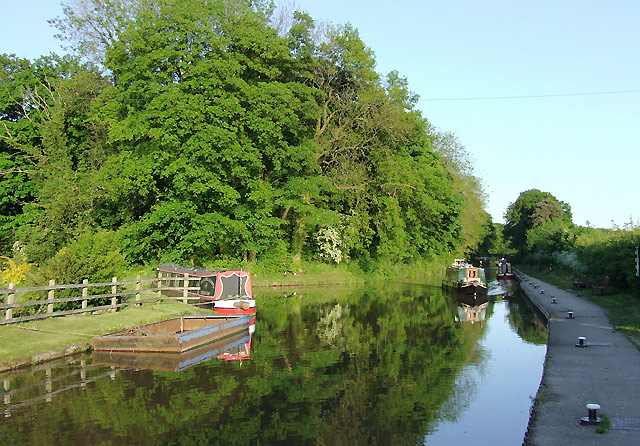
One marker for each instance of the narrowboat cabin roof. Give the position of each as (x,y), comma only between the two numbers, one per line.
(177,269)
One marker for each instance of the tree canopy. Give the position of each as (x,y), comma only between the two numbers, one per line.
(195,131)
(530,218)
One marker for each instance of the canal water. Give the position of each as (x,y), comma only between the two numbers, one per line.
(392,364)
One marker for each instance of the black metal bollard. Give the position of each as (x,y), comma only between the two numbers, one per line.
(593,415)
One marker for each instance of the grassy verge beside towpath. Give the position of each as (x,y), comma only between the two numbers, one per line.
(23,343)
(622,307)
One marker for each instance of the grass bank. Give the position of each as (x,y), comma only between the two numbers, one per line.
(314,273)
(22,342)
(622,307)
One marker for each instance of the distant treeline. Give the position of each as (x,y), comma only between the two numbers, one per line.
(224,130)
(539,228)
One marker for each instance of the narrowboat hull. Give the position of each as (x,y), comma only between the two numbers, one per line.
(468,289)
(235,306)
(175,335)
(462,277)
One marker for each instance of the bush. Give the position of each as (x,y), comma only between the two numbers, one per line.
(94,256)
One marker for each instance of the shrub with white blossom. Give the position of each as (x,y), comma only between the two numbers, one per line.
(330,244)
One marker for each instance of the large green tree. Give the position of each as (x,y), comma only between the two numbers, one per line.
(211,128)
(532,209)
(44,134)
(475,222)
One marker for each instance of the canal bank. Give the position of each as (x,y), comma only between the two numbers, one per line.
(605,372)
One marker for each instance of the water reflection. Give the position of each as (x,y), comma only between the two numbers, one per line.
(502,379)
(372,365)
(469,308)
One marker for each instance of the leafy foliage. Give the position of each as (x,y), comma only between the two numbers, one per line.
(534,209)
(204,134)
(14,271)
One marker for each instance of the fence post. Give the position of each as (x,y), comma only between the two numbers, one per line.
(159,285)
(138,287)
(114,290)
(7,398)
(48,385)
(185,291)
(10,299)
(83,374)
(51,296)
(85,293)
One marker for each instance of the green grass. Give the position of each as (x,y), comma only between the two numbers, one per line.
(309,274)
(56,334)
(556,277)
(604,425)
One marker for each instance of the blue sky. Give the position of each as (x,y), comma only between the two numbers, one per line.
(581,148)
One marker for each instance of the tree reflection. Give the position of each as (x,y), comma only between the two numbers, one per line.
(372,365)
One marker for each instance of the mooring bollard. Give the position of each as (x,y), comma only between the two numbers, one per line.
(593,415)
(570,315)
(582,342)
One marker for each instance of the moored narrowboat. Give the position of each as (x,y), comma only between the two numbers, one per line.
(463,277)
(504,270)
(204,283)
(234,306)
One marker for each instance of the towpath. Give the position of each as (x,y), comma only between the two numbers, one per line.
(605,372)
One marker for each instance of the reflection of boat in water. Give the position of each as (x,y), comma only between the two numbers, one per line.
(470,309)
(230,290)
(233,347)
(462,277)
(175,335)
(504,270)
(238,352)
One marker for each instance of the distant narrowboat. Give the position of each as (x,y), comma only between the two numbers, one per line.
(462,277)
(504,270)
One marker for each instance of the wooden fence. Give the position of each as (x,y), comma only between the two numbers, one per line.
(160,287)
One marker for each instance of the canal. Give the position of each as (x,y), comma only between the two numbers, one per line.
(392,364)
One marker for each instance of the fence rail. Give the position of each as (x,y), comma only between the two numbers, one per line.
(172,288)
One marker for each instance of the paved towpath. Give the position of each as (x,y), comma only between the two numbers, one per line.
(606,372)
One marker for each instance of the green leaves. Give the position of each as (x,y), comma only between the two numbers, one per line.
(532,209)
(215,138)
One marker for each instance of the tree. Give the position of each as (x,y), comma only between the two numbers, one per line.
(475,222)
(532,209)
(34,132)
(208,107)
(91,27)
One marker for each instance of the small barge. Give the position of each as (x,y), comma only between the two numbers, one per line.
(175,335)
(226,348)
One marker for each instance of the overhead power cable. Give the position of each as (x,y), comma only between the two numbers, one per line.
(490,98)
